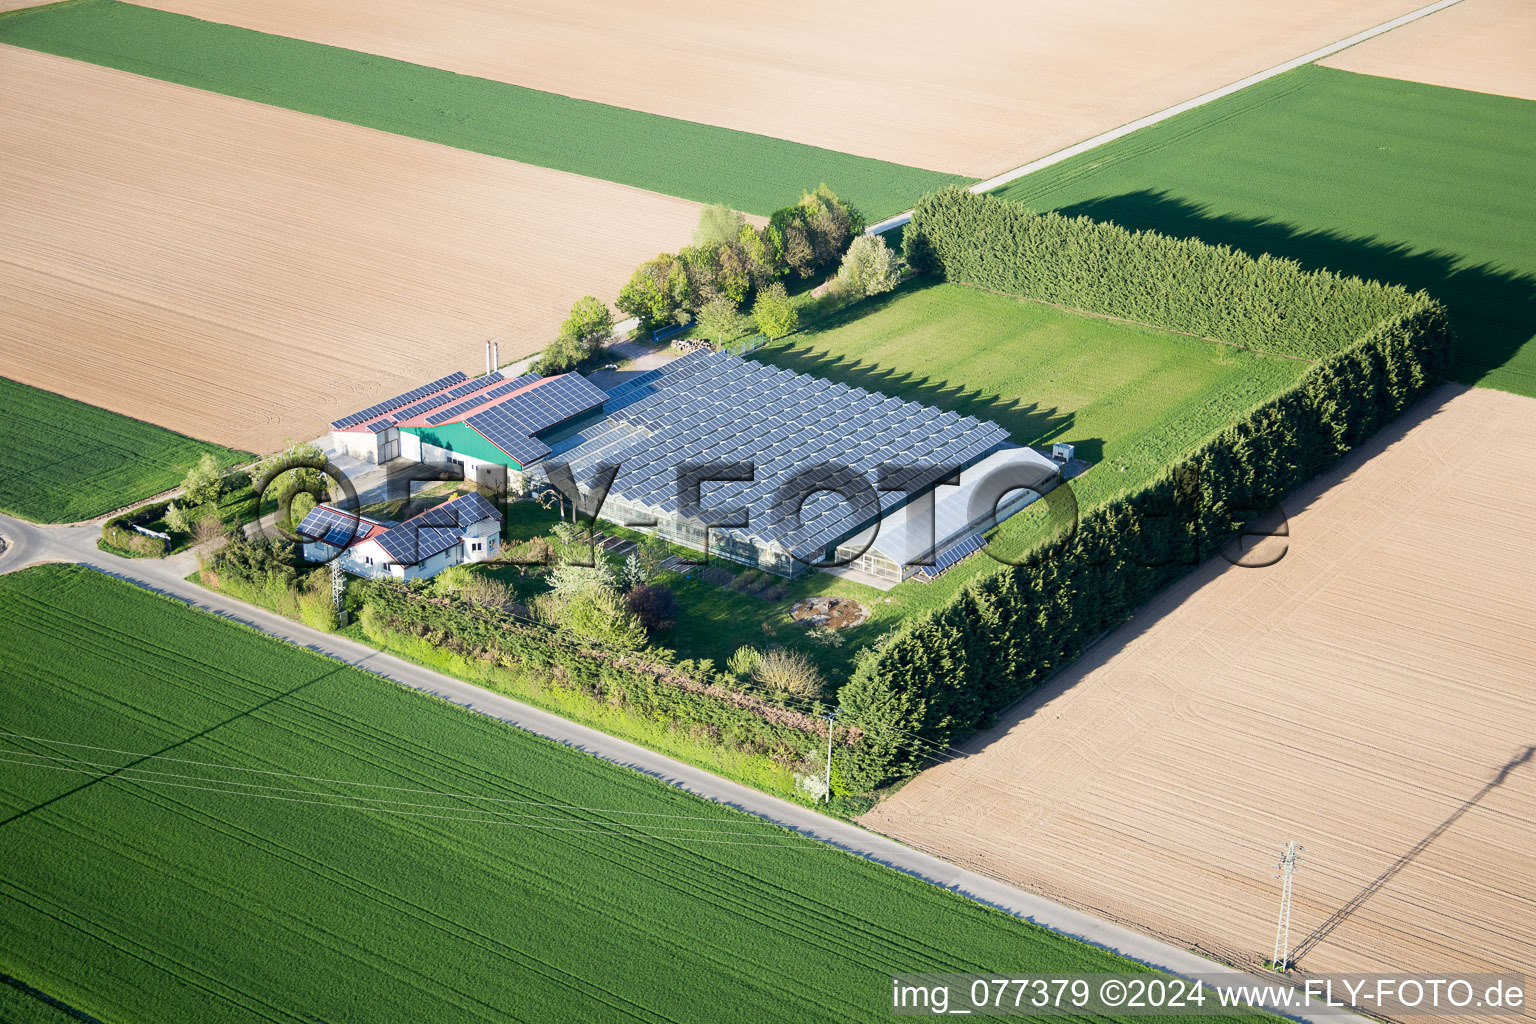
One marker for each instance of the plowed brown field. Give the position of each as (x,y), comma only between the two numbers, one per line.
(974,88)
(1482,45)
(1371,696)
(244,274)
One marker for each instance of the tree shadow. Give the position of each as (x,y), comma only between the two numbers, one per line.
(1378,883)
(1493,310)
(1025,422)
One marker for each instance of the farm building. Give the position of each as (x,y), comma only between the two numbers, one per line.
(837,472)
(483,427)
(831,463)
(464,529)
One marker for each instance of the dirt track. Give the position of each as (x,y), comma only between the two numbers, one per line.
(975,89)
(1353,697)
(245,274)
(1482,45)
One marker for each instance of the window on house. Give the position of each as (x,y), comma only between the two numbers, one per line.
(475,546)
(368,560)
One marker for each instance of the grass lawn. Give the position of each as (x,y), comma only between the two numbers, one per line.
(402,859)
(1130,398)
(64,461)
(1415,184)
(753,173)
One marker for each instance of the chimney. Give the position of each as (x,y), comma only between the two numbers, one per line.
(495,355)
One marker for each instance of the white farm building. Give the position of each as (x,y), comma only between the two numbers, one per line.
(464,529)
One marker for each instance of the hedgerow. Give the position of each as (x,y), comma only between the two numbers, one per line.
(947,673)
(497,649)
(1179,284)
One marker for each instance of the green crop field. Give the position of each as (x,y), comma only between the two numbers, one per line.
(1414,184)
(64,460)
(1130,398)
(200,823)
(749,172)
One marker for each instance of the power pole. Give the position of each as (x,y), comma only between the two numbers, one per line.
(1287,868)
(338,583)
(831,717)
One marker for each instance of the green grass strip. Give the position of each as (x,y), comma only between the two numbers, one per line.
(1396,181)
(752,173)
(63,460)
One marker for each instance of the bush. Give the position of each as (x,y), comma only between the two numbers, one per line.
(596,615)
(869,268)
(654,605)
(782,671)
(776,316)
(741,663)
(205,482)
(718,225)
(582,335)
(720,321)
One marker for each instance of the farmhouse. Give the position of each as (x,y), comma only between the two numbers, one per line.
(758,464)
(464,529)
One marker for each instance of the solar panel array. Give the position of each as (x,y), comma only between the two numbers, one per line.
(435,530)
(375,411)
(511,425)
(439,418)
(716,407)
(331,526)
(950,557)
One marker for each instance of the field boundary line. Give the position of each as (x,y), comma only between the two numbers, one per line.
(1050,159)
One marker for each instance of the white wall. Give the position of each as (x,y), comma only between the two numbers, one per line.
(360,444)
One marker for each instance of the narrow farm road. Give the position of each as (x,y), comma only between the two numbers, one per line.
(1178,108)
(29,544)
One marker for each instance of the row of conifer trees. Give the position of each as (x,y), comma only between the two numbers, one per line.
(1378,350)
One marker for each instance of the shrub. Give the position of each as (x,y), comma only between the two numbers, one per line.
(176,518)
(657,291)
(654,605)
(775,314)
(720,321)
(741,663)
(205,481)
(718,225)
(782,671)
(869,268)
(636,573)
(596,615)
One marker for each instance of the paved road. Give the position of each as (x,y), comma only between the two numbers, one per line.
(30,544)
(1179,108)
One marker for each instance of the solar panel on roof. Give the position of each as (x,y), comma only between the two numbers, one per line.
(407,398)
(331,526)
(421,407)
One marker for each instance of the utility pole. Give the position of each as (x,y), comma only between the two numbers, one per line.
(338,584)
(831,717)
(1287,868)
